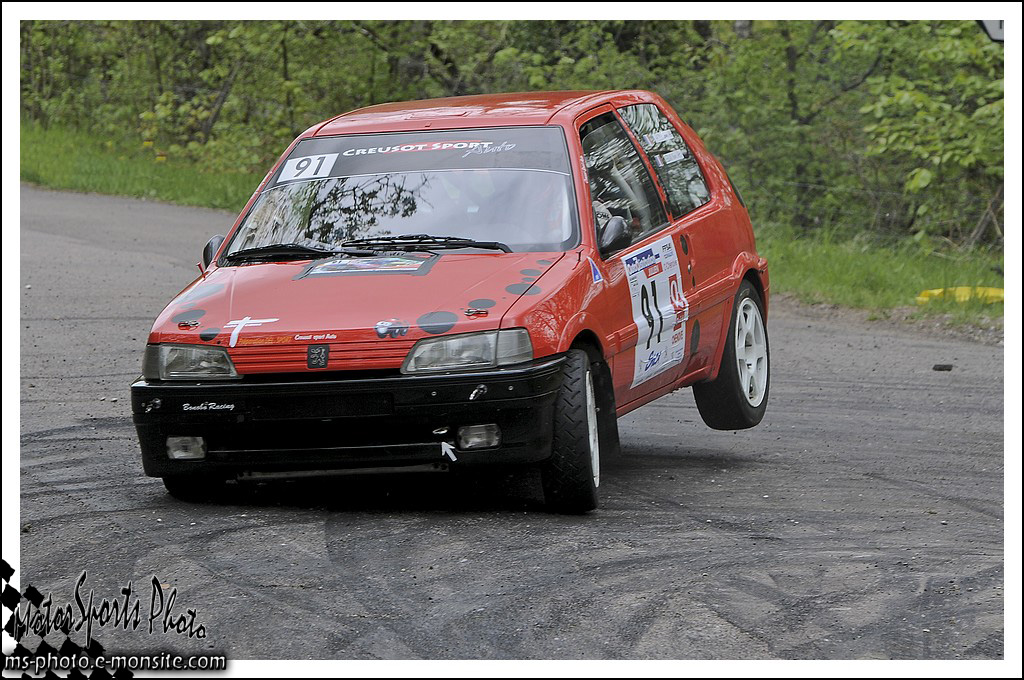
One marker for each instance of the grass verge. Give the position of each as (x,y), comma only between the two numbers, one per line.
(866,275)
(70,159)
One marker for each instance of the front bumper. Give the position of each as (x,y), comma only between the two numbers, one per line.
(336,424)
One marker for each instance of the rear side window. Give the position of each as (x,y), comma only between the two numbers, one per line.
(671,158)
(619,182)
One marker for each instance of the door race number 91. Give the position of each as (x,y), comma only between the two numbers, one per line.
(660,309)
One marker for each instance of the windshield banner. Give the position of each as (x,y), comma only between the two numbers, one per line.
(531,148)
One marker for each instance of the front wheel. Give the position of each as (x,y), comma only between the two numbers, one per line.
(737,398)
(572,474)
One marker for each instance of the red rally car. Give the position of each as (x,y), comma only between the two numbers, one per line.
(445,283)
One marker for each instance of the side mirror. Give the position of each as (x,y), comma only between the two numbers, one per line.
(212,246)
(613,236)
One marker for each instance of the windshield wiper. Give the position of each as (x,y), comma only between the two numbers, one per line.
(424,242)
(296,250)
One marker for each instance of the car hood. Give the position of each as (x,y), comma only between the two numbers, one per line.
(339,300)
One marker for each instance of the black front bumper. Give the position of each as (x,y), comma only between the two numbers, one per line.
(336,424)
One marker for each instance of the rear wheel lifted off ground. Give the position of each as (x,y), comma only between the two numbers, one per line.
(737,398)
(572,474)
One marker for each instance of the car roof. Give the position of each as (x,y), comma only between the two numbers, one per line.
(482,110)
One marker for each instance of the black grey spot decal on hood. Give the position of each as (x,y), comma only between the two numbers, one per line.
(436,323)
(522,289)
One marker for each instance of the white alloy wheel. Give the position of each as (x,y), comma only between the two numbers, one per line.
(751,352)
(595,442)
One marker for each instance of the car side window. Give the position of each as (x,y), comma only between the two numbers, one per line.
(671,158)
(619,182)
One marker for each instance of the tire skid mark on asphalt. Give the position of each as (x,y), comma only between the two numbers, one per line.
(924,488)
(907,639)
(72,376)
(992,646)
(48,486)
(724,609)
(267,532)
(94,424)
(499,587)
(676,506)
(917,385)
(39,459)
(794,652)
(369,618)
(114,514)
(382,590)
(172,561)
(802,620)
(69,440)
(28,482)
(88,319)
(639,625)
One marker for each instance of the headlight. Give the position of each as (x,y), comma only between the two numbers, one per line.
(187,362)
(468,351)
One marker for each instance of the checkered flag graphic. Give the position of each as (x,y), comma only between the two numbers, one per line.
(11,599)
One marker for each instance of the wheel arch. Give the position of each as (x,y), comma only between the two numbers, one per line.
(755,278)
(747,268)
(588,341)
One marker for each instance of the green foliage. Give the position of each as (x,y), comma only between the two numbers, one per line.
(890,127)
(938,111)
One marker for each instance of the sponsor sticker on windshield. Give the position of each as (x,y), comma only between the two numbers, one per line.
(469,146)
(397,263)
(519,148)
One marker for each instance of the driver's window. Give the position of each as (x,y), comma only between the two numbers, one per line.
(619,182)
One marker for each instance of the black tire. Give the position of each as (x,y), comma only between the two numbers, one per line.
(193,488)
(723,402)
(568,475)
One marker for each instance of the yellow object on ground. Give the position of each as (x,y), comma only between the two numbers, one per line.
(961,294)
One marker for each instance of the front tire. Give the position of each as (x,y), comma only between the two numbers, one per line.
(738,397)
(572,474)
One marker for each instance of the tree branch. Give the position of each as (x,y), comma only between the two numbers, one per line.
(852,85)
(373,36)
(219,102)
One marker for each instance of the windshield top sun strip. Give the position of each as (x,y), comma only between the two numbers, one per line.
(291,182)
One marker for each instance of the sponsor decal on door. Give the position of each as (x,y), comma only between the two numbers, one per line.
(660,309)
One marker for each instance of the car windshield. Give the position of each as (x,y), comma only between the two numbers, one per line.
(505,185)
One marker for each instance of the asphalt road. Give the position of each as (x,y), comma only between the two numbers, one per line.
(862,519)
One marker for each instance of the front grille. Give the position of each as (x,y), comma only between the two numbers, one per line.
(319,376)
(343,356)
